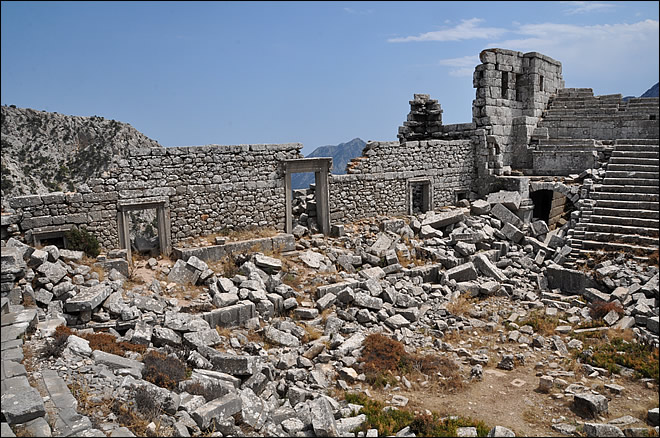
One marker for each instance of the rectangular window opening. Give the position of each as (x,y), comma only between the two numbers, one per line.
(541,83)
(519,87)
(505,85)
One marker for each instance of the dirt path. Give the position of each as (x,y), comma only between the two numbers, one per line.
(511,399)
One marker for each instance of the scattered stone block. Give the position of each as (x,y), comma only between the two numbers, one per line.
(590,405)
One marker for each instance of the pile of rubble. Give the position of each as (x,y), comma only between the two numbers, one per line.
(296,333)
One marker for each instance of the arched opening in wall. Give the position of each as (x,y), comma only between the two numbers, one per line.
(143,232)
(552,207)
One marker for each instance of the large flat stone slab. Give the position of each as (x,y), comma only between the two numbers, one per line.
(216,411)
(444,218)
(231,316)
(89,298)
(20,402)
(506,216)
(115,362)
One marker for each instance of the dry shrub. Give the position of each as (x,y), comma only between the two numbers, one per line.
(598,309)
(460,306)
(108,343)
(311,333)
(541,323)
(164,371)
(55,346)
(381,354)
(145,401)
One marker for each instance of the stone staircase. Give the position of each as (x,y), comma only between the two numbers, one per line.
(622,214)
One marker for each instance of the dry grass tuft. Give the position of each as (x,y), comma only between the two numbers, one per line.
(461,305)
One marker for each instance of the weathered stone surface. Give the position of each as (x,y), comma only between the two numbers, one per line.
(52,271)
(510,200)
(281,338)
(115,362)
(488,268)
(569,281)
(229,316)
(270,265)
(20,401)
(480,207)
(444,218)
(464,272)
(164,336)
(506,216)
(208,337)
(216,411)
(501,431)
(183,273)
(88,298)
(602,430)
(590,405)
(312,259)
(323,419)
(367,301)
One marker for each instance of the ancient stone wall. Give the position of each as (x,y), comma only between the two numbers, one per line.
(206,188)
(513,89)
(381,181)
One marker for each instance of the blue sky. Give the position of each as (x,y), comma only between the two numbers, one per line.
(318,73)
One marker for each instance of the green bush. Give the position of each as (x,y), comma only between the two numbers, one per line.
(82,240)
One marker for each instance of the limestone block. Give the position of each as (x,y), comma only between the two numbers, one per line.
(509,199)
(88,298)
(216,411)
(589,405)
(464,272)
(506,215)
(183,273)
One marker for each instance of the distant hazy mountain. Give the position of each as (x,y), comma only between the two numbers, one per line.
(651,92)
(341,154)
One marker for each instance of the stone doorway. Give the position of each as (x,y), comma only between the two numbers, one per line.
(161,205)
(321,168)
(419,195)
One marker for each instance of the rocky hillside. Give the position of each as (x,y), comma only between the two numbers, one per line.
(341,155)
(46,152)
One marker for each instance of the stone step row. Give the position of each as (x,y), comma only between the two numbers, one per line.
(634,160)
(618,247)
(632,239)
(636,141)
(627,205)
(620,229)
(626,196)
(624,221)
(603,117)
(637,147)
(631,181)
(635,154)
(620,188)
(642,214)
(632,174)
(631,167)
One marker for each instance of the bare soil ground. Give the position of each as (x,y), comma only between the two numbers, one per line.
(511,399)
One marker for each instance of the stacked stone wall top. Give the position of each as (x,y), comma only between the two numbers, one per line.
(209,188)
(378,182)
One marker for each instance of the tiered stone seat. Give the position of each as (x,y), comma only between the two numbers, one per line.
(625,213)
(575,113)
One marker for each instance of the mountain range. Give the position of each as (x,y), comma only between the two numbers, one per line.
(341,154)
(46,152)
